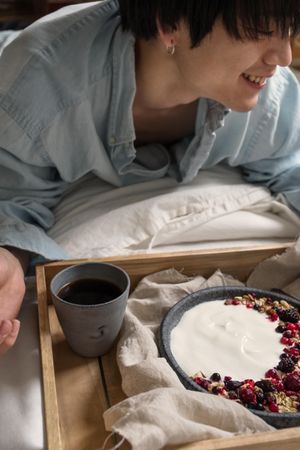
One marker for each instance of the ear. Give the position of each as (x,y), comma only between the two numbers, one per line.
(167,36)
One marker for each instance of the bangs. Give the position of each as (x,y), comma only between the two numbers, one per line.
(252,19)
(242,19)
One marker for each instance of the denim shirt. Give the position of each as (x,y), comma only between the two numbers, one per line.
(66,92)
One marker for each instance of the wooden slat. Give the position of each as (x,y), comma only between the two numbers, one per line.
(81,398)
(53,435)
(288,439)
(237,262)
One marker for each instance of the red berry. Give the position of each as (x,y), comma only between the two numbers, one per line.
(291,393)
(205,384)
(250,383)
(286,341)
(280,386)
(273,407)
(235,302)
(272,373)
(247,395)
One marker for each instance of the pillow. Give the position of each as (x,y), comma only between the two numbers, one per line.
(94,219)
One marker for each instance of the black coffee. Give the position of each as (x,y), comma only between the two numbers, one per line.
(89,291)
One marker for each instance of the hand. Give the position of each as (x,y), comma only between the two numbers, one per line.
(12,290)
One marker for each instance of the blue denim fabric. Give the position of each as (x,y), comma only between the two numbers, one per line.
(67,86)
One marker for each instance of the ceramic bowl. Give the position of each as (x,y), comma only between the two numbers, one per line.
(172,318)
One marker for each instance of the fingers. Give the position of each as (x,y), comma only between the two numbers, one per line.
(9,330)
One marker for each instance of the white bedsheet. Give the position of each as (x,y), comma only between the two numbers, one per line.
(217,209)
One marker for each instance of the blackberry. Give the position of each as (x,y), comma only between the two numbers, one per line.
(260,397)
(215,377)
(292,381)
(280,329)
(288,315)
(232,385)
(265,385)
(286,365)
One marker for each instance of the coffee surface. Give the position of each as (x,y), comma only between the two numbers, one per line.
(89,291)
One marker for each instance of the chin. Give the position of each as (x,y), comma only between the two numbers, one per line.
(242,106)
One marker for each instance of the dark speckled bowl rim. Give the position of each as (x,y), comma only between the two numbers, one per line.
(173,316)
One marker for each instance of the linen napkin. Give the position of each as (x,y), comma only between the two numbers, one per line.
(159,411)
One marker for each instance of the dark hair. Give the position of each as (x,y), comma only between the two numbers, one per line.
(243,19)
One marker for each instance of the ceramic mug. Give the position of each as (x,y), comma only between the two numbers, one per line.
(90,301)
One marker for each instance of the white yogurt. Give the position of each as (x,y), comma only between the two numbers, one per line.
(228,339)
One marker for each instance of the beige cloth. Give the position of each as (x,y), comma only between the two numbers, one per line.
(159,410)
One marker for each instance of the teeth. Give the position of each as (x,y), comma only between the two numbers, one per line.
(256,80)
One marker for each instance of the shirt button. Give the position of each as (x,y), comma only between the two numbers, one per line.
(112,140)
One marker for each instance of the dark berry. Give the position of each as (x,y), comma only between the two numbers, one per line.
(279,329)
(260,397)
(232,385)
(286,365)
(215,377)
(288,315)
(265,385)
(292,381)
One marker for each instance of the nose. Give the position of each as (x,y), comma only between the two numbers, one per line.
(279,53)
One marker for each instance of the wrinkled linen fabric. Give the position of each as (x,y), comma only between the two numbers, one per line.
(216,209)
(159,410)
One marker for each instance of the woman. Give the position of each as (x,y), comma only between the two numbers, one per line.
(133,91)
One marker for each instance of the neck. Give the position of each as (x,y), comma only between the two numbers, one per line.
(158,79)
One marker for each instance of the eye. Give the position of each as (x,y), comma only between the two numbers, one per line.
(262,34)
(254,34)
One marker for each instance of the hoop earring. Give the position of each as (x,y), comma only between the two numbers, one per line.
(171,49)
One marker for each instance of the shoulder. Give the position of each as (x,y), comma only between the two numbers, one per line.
(53,62)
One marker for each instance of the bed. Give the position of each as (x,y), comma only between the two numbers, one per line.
(218,209)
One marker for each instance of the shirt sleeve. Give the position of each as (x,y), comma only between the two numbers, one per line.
(29,188)
(277,137)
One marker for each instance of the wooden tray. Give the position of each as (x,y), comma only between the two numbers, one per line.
(78,390)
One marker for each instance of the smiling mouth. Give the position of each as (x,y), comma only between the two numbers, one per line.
(259,81)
